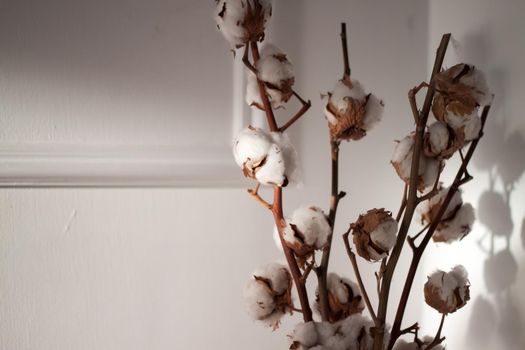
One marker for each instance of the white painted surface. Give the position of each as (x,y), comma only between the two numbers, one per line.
(163,268)
(82,82)
(490,36)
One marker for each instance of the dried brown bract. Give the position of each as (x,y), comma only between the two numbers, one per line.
(350,112)
(461,89)
(374,234)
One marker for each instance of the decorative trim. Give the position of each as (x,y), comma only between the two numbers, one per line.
(63,165)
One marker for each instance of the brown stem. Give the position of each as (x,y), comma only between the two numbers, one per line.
(419,250)
(437,339)
(412,93)
(344,43)
(412,198)
(403,204)
(255,194)
(246,59)
(353,260)
(270,117)
(277,206)
(335,196)
(305,106)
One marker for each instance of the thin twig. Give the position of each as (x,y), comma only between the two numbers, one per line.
(412,93)
(411,201)
(353,260)
(411,329)
(246,59)
(255,194)
(307,271)
(403,204)
(305,106)
(416,236)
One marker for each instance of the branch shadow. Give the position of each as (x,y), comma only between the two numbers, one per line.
(494,314)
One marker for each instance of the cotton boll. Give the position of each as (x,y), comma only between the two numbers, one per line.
(402,163)
(462,89)
(259,302)
(344,298)
(447,291)
(342,93)
(477,80)
(312,224)
(278,275)
(273,66)
(251,148)
(374,234)
(374,112)
(457,227)
(242,21)
(350,112)
(267,294)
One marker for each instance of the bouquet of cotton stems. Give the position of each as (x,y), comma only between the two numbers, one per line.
(344,317)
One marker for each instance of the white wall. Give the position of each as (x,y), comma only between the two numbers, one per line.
(164,268)
(489,35)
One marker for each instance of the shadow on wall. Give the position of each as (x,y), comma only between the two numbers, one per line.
(500,156)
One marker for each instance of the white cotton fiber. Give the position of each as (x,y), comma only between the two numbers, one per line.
(273,170)
(339,286)
(253,96)
(438,137)
(290,157)
(341,94)
(230,16)
(374,112)
(457,227)
(251,146)
(384,236)
(312,223)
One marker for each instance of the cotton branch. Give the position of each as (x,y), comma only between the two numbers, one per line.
(412,197)
(277,206)
(418,251)
(353,260)
(335,196)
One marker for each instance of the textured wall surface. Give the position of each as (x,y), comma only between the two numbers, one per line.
(488,35)
(164,268)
